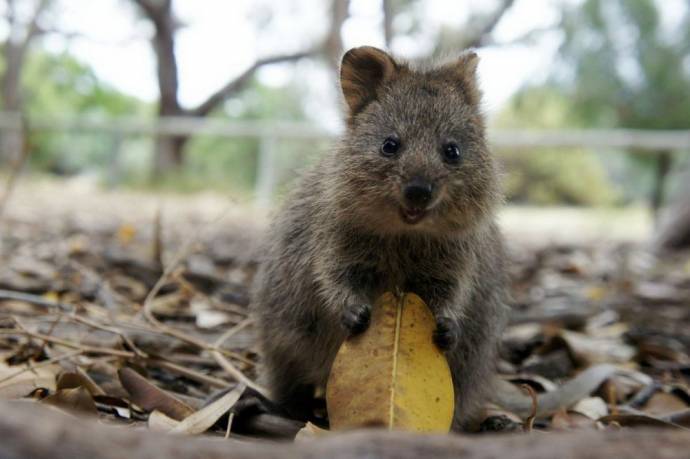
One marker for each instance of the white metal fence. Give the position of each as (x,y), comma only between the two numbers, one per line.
(269,134)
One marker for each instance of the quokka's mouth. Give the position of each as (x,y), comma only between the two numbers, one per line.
(412,216)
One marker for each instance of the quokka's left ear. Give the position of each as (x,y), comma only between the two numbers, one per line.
(362,72)
(464,71)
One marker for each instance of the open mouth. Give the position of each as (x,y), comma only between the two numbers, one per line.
(412,216)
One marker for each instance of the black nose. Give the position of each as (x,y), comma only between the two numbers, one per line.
(418,192)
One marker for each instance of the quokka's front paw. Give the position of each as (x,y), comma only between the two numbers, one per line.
(356,318)
(446,334)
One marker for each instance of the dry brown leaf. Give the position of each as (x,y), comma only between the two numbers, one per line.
(20,381)
(74,400)
(591,350)
(635,420)
(309,432)
(563,420)
(150,397)
(24,388)
(392,375)
(662,403)
(79,378)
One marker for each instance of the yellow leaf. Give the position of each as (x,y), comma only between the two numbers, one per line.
(126,233)
(392,375)
(596,293)
(52,296)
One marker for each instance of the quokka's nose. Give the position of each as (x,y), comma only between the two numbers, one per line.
(418,193)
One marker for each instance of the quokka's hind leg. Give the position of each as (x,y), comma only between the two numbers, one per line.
(288,388)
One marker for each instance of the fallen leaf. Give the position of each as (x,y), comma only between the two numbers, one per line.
(570,420)
(310,432)
(203,419)
(79,378)
(126,233)
(74,400)
(639,420)
(513,399)
(591,350)
(150,397)
(592,407)
(662,403)
(392,375)
(19,381)
(159,422)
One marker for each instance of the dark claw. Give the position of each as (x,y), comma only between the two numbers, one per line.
(446,333)
(356,318)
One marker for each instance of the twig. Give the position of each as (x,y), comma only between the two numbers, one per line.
(191,374)
(55,323)
(45,363)
(226,365)
(158,238)
(70,344)
(167,273)
(120,333)
(611,395)
(34,299)
(529,422)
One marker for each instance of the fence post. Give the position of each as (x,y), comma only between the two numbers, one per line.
(662,167)
(114,172)
(265,172)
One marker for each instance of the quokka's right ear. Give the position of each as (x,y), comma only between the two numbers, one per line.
(362,72)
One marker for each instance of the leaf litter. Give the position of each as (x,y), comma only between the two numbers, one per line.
(132,320)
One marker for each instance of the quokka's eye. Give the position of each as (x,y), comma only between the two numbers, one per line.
(451,153)
(390,147)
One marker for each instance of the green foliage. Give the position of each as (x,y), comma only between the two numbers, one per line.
(231,164)
(546,176)
(59,85)
(619,68)
(626,69)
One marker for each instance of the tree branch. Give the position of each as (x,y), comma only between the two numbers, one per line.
(333,43)
(34,28)
(484,32)
(388,13)
(153,9)
(237,83)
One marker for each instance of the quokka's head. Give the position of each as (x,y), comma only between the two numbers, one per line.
(414,157)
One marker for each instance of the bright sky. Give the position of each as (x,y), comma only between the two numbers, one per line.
(221,38)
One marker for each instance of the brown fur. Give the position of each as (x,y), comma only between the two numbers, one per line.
(340,239)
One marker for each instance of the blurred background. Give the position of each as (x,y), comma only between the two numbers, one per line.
(588,101)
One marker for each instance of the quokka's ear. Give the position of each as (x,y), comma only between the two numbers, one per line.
(464,71)
(362,72)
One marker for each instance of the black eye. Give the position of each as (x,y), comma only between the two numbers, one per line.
(451,153)
(390,147)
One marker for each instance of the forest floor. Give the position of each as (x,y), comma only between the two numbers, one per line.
(133,307)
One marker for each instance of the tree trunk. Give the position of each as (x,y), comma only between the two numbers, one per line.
(11,140)
(16,48)
(662,167)
(674,229)
(388,14)
(169,150)
(169,155)
(333,45)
